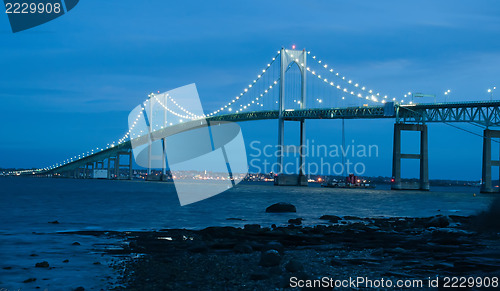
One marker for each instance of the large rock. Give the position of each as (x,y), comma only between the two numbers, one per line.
(438,221)
(281,207)
(252,227)
(270,258)
(43,264)
(294,266)
(488,220)
(243,248)
(198,247)
(331,218)
(274,245)
(259,275)
(296,221)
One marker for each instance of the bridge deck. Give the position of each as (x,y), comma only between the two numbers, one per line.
(484,113)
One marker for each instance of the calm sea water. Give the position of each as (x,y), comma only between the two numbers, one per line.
(28,204)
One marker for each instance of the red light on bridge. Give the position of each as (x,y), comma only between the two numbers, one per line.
(293,47)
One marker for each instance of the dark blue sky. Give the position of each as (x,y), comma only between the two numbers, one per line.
(68,85)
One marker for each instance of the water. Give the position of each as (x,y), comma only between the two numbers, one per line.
(28,204)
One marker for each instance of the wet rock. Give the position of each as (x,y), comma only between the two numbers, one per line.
(331,218)
(7,268)
(33,255)
(54,222)
(438,221)
(296,221)
(488,220)
(276,270)
(79,289)
(259,275)
(29,280)
(252,227)
(43,264)
(281,207)
(236,219)
(294,266)
(96,263)
(198,248)
(459,219)
(66,261)
(348,217)
(270,258)
(220,232)
(373,227)
(75,243)
(243,248)
(274,245)
(319,229)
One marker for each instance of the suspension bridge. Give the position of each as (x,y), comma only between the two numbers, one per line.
(296,86)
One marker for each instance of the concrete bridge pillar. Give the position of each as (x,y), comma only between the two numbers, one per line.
(422,156)
(79,172)
(111,169)
(89,170)
(486,182)
(130,165)
(164,158)
(118,165)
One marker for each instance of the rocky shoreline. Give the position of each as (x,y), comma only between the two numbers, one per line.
(266,258)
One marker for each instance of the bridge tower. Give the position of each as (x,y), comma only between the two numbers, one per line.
(288,57)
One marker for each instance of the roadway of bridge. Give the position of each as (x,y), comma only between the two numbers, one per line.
(484,113)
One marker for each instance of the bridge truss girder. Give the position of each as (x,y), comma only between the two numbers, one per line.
(485,114)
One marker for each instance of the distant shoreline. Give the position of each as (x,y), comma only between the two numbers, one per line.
(374,180)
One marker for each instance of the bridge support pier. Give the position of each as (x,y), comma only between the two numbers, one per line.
(89,170)
(290,179)
(486,182)
(111,169)
(398,156)
(164,159)
(118,166)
